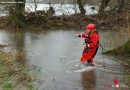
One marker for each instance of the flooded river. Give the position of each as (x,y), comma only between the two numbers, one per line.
(56,55)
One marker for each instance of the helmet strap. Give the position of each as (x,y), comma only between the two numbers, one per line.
(92,31)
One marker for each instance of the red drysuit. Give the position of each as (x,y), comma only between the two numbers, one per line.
(91,46)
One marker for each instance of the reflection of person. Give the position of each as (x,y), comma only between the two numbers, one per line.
(88,80)
(91,43)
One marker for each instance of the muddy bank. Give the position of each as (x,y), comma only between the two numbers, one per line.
(43,20)
(104,21)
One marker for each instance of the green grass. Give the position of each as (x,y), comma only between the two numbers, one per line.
(7,86)
(126,47)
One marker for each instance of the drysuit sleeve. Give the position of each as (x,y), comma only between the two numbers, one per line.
(83,35)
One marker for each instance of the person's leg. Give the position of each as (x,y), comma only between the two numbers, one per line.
(88,62)
(95,53)
(85,55)
(91,60)
(88,55)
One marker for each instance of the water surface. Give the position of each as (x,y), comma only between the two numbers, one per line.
(56,55)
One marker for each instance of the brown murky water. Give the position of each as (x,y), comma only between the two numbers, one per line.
(56,54)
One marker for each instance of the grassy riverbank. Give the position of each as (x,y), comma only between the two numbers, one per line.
(122,51)
(14,75)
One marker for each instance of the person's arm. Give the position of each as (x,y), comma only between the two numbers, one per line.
(83,35)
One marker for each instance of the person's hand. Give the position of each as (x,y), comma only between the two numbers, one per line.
(78,35)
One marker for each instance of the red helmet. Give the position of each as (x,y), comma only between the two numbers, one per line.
(91,26)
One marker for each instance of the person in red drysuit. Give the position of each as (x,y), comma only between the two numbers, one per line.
(91,43)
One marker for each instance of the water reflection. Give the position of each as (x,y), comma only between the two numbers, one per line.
(16,42)
(88,80)
(19,42)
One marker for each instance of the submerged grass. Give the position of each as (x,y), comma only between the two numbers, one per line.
(13,74)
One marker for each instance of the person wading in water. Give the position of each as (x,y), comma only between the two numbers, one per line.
(91,44)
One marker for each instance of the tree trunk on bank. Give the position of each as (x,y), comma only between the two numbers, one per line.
(20,8)
(103,5)
(121,5)
(16,17)
(128,18)
(81,8)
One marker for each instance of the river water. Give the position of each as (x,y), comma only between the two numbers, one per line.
(56,55)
